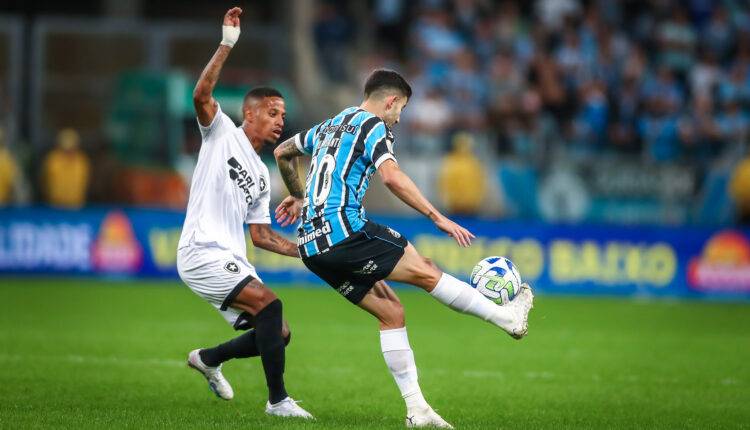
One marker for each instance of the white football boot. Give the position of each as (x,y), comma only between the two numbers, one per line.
(425,417)
(287,408)
(216,381)
(523,303)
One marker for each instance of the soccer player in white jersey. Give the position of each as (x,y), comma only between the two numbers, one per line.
(353,254)
(230,188)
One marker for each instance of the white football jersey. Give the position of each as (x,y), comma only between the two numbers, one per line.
(230,188)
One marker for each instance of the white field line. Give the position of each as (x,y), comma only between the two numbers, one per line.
(472,374)
(89,359)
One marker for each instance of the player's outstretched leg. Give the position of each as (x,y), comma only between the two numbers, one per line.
(208,361)
(382,302)
(266,308)
(419,271)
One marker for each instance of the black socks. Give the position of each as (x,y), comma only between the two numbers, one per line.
(271,346)
(240,347)
(265,340)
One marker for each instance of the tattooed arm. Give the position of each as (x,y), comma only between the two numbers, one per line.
(265,238)
(285,155)
(290,208)
(203,100)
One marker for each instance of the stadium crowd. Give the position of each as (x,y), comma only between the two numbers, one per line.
(663,79)
(520,109)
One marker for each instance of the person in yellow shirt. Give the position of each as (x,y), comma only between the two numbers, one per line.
(66,172)
(462,180)
(8,172)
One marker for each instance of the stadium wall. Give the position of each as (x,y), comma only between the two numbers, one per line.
(576,259)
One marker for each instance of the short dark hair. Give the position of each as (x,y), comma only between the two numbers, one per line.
(259,93)
(384,79)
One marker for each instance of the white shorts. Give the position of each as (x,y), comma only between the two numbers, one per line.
(217,276)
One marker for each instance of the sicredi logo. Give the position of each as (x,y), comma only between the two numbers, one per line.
(724,264)
(116,249)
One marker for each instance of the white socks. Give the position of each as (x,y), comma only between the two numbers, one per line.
(460,297)
(400,360)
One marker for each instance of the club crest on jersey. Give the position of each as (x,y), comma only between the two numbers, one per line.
(232,267)
(318,232)
(239,175)
(262,184)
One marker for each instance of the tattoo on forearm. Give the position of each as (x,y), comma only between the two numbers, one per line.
(274,242)
(210,74)
(287,152)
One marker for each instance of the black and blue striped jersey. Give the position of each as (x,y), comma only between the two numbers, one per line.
(346,150)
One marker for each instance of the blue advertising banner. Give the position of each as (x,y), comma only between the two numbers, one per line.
(579,259)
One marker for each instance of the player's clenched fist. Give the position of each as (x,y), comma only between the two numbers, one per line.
(230,29)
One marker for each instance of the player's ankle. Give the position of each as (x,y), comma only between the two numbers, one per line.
(415,401)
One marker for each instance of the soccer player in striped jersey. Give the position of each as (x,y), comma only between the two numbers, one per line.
(230,188)
(355,255)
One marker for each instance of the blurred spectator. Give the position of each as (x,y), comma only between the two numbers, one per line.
(624,117)
(462,178)
(66,172)
(698,130)
(677,41)
(430,117)
(552,13)
(591,121)
(662,92)
(530,131)
(660,137)
(8,171)
(390,16)
(438,40)
(332,32)
(571,58)
(718,37)
(733,125)
(739,189)
(467,91)
(705,76)
(735,86)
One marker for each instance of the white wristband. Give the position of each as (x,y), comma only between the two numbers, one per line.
(229,35)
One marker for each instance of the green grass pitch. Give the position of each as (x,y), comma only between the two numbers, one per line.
(96,354)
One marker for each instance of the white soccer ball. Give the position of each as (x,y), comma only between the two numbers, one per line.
(497,279)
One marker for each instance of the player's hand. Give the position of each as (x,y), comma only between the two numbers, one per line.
(288,211)
(461,235)
(232,17)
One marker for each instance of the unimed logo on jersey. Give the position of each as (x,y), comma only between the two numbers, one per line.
(239,175)
(318,232)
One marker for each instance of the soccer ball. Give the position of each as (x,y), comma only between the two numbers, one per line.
(497,279)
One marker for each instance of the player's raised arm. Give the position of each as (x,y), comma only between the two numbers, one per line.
(290,208)
(404,188)
(203,100)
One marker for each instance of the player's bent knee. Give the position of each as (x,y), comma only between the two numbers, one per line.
(254,297)
(393,317)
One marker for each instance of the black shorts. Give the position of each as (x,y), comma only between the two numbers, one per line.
(355,264)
